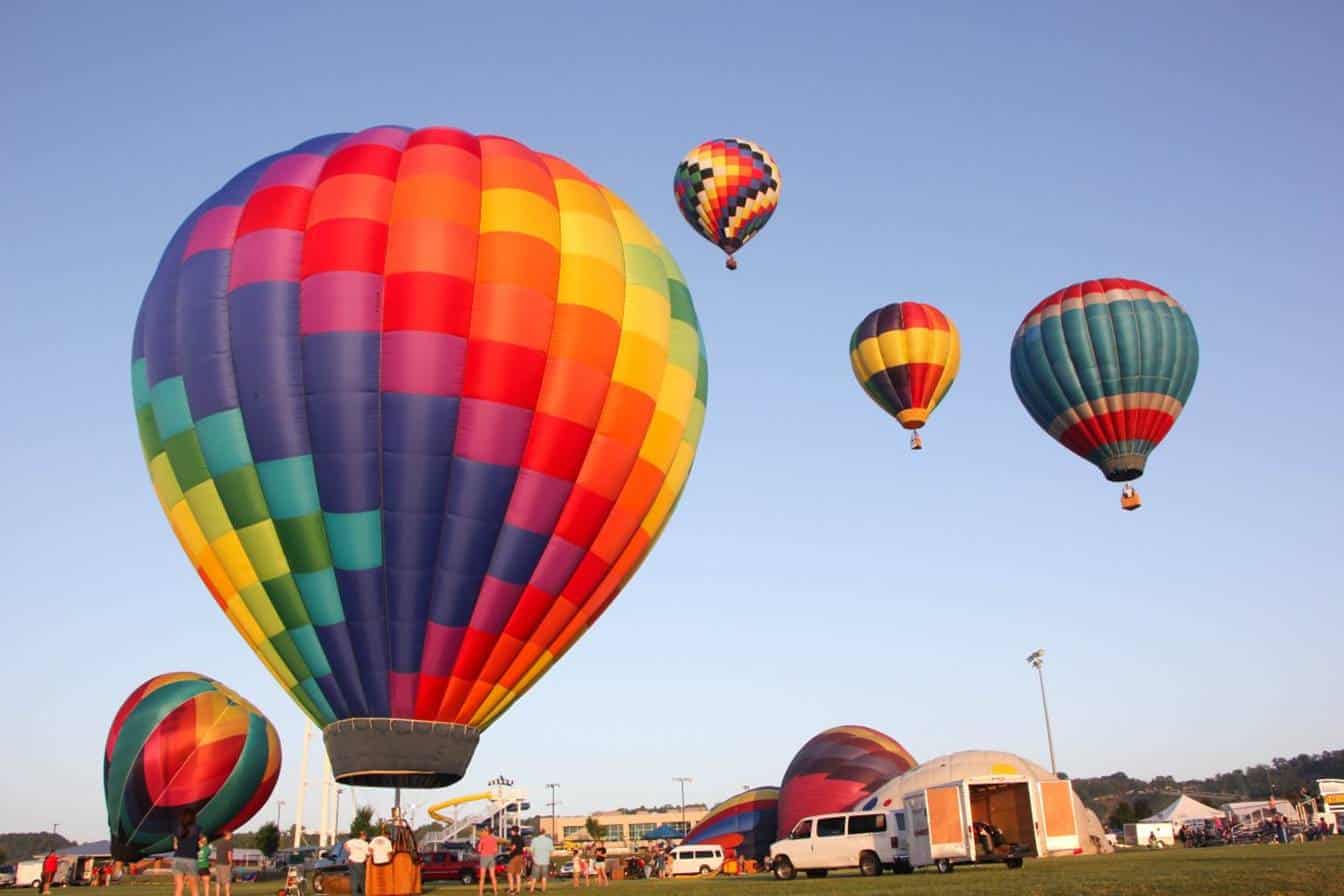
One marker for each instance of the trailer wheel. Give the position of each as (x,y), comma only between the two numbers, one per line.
(903,866)
(944,866)
(869,866)
(784,869)
(815,872)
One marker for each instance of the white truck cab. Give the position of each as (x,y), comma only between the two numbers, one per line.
(869,841)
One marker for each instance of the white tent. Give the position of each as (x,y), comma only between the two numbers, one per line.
(1185,809)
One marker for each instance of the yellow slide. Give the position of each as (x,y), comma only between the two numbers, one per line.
(435,809)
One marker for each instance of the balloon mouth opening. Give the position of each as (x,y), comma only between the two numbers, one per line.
(912,419)
(399,752)
(1124,467)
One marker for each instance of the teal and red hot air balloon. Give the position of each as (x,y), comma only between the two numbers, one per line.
(837,769)
(417,404)
(184,741)
(727,189)
(1105,367)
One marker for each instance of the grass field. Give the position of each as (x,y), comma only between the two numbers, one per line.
(1307,869)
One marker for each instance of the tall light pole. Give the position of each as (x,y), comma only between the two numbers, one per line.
(54,826)
(555,834)
(1036,659)
(684,782)
(336,822)
(279,804)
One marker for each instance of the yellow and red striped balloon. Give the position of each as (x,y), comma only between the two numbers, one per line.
(905,356)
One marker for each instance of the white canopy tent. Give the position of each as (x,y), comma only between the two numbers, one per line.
(1185,809)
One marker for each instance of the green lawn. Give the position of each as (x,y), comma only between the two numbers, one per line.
(1308,869)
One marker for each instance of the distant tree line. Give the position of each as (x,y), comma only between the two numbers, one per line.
(1119,798)
(16,847)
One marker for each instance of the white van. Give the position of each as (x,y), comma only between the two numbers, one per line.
(868,841)
(700,858)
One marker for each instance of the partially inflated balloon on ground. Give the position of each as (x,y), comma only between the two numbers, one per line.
(184,741)
(835,770)
(727,190)
(417,405)
(744,823)
(1105,367)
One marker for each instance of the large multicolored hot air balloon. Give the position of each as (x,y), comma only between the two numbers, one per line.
(1105,368)
(743,824)
(417,404)
(835,770)
(727,189)
(905,356)
(184,741)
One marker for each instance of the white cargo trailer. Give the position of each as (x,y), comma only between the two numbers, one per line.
(993,818)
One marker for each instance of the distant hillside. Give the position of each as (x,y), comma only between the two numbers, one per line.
(14,847)
(1118,795)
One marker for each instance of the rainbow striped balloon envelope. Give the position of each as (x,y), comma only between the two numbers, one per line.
(184,741)
(743,824)
(727,190)
(836,770)
(417,404)
(1105,367)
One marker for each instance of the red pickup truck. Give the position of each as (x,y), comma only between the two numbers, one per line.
(450,864)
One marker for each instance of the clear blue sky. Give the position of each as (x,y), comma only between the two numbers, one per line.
(817,572)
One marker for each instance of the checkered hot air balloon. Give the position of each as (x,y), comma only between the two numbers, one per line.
(417,404)
(727,189)
(1105,368)
(184,741)
(905,356)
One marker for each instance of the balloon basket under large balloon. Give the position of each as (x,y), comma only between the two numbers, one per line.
(916,443)
(731,263)
(1129,498)
(399,752)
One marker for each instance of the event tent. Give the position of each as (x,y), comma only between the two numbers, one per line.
(1185,809)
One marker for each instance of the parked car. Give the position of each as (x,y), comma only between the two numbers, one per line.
(450,864)
(7,875)
(868,841)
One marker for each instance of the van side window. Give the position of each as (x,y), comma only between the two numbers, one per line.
(802,830)
(867,824)
(831,827)
(900,821)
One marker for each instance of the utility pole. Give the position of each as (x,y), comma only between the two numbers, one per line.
(1037,659)
(336,822)
(323,826)
(684,782)
(555,833)
(303,784)
(279,804)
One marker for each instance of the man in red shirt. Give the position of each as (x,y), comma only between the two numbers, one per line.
(49,866)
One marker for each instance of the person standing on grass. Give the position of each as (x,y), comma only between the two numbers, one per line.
(224,864)
(49,866)
(542,847)
(185,846)
(600,864)
(516,860)
(488,848)
(356,854)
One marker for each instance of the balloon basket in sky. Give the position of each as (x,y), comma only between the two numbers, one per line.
(417,404)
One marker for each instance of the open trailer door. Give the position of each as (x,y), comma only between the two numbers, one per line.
(948,832)
(1061,825)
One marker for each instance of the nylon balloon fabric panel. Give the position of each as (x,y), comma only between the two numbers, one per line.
(836,770)
(1105,367)
(727,190)
(906,356)
(417,404)
(184,741)
(744,823)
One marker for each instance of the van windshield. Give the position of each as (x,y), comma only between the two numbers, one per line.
(802,830)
